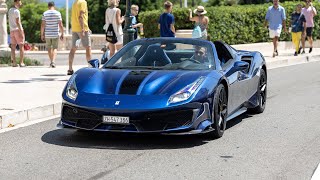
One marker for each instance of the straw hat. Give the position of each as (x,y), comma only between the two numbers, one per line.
(200,10)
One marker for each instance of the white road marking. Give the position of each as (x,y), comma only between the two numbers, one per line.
(316,174)
(28,124)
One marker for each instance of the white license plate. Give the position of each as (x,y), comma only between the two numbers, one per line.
(115,120)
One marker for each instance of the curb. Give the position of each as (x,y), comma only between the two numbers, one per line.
(13,118)
(277,63)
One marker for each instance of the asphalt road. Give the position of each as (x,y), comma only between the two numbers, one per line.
(281,143)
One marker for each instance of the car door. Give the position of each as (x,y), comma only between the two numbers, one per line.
(238,80)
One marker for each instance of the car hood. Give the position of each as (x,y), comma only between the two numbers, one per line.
(132,87)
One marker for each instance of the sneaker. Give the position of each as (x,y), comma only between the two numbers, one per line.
(296,53)
(310,50)
(70,72)
(299,50)
(53,65)
(22,65)
(303,52)
(277,54)
(274,54)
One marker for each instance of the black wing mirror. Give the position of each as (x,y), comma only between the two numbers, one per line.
(94,63)
(241,66)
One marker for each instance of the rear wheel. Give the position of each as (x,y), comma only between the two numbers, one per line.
(262,93)
(219,112)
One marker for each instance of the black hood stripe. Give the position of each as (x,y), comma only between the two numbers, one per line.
(132,82)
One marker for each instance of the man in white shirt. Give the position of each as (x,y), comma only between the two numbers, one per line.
(16,33)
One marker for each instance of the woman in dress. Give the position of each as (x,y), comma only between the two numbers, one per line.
(113,16)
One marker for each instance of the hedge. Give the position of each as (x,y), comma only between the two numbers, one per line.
(233,24)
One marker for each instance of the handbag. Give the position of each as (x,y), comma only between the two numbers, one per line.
(196,33)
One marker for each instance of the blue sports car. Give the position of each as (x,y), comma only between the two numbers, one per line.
(166,85)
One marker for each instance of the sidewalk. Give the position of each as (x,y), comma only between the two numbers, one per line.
(32,93)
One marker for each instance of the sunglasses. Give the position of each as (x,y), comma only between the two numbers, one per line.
(199,52)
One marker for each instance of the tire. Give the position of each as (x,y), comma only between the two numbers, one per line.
(262,93)
(219,112)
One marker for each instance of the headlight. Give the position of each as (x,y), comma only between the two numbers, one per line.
(186,92)
(72,91)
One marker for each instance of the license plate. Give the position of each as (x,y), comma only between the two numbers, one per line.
(115,120)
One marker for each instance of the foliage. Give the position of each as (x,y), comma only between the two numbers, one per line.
(27,61)
(234,25)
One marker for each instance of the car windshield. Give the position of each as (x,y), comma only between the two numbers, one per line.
(164,54)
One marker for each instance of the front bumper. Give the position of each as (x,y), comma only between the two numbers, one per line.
(191,118)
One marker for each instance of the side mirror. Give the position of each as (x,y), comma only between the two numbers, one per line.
(94,63)
(241,66)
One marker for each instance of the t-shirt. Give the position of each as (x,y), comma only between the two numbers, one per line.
(77,6)
(165,21)
(13,14)
(52,19)
(275,17)
(134,22)
(297,20)
(307,12)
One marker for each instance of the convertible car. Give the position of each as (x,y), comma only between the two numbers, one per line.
(166,86)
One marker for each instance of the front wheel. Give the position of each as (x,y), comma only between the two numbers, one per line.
(219,112)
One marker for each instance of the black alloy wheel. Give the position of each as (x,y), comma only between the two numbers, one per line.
(219,112)
(262,93)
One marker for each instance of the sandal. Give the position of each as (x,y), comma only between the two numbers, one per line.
(70,72)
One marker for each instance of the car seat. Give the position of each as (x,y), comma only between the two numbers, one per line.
(154,56)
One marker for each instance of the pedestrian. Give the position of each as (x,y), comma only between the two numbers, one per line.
(135,23)
(298,25)
(17,36)
(113,17)
(51,23)
(309,12)
(201,21)
(276,17)
(166,21)
(80,30)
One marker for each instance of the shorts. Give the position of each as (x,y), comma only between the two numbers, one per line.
(274,33)
(16,38)
(309,31)
(86,40)
(120,40)
(52,43)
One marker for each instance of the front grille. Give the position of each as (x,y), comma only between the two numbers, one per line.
(82,118)
(159,121)
(144,121)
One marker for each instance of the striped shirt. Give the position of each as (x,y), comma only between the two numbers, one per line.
(52,19)
(13,14)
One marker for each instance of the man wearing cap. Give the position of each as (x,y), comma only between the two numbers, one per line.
(276,17)
(200,20)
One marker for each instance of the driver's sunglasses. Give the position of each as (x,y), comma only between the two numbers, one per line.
(200,52)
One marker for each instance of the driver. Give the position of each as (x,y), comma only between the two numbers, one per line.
(200,54)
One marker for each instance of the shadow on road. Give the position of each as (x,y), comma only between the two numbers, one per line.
(129,141)
(120,141)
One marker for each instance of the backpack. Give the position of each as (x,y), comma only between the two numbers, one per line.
(196,33)
(111,36)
